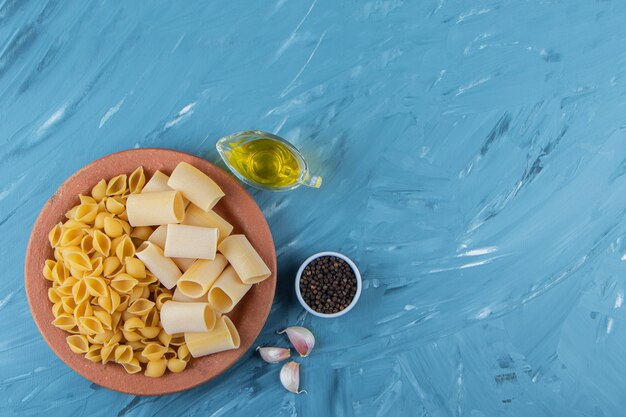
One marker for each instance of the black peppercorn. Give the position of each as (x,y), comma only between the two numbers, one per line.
(328,284)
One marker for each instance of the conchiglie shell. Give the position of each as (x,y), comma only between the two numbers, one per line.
(124,283)
(64,321)
(153,351)
(151,319)
(69,304)
(110,303)
(178,339)
(183,353)
(85,199)
(131,336)
(136,181)
(96,286)
(125,248)
(123,354)
(101,243)
(133,323)
(116,318)
(164,338)
(105,319)
(132,367)
(116,186)
(48,266)
(90,325)
(97,264)
(55,235)
(54,296)
(124,302)
(135,267)
(94,353)
(162,299)
(112,227)
(59,273)
(112,267)
(79,291)
(57,309)
(78,260)
(83,309)
(86,244)
(141,232)
(71,237)
(156,369)
(176,365)
(137,347)
(86,213)
(98,192)
(71,213)
(78,343)
(150,332)
(115,205)
(140,307)
(99,222)
(107,352)
(170,354)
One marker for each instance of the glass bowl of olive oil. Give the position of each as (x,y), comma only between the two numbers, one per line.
(265,161)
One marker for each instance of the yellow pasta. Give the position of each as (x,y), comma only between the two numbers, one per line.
(153,209)
(157,183)
(224,336)
(116,185)
(194,216)
(227,291)
(125,248)
(78,343)
(176,365)
(179,296)
(136,181)
(55,235)
(141,232)
(197,280)
(244,258)
(195,185)
(156,369)
(135,267)
(98,192)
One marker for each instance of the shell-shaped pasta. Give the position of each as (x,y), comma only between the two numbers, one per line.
(131,336)
(116,185)
(135,267)
(94,354)
(78,273)
(65,290)
(150,332)
(105,319)
(140,306)
(124,283)
(96,286)
(141,232)
(124,302)
(183,352)
(101,243)
(86,213)
(64,321)
(156,369)
(71,212)
(79,291)
(68,304)
(176,365)
(132,367)
(178,339)
(151,319)
(133,323)
(115,205)
(90,325)
(98,192)
(113,227)
(112,267)
(55,235)
(162,299)
(48,266)
(57,309)
(59,273)
(84,309)
(125,248)
(108,351)
(110,303)
(137,346)
(136,181)
(86,244)
(153,351)
(123,354)
(78,260)
(71,237)
(85,199)
(54,296)
(116,318)
(117,336)
(99,222)
(164,338)
(171,353)
(97,263)
(78,343)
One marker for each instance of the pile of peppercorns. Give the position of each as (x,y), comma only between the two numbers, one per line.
(328,284)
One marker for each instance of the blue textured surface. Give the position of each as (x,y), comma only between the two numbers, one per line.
(473,158)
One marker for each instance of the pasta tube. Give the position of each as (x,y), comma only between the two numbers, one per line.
(163,268)
(159,237)
(177,317)
(194,242)
(224,336)
(154,209)
(197,280)
(194,216)
(157,183)
(246,261)
(195,185)
(227,291)
(179,296)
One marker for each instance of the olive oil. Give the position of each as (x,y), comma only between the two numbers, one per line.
(265,161)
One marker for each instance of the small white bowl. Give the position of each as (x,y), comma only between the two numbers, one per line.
(357,274)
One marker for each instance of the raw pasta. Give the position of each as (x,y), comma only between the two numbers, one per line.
(197,280)
(179,317)
(195,185)
(158,182)
(224,336)
(158,237)
(246,261)
(154,209)
(227,291)
(193,242)
(163,268)
(194,216)
(179,296)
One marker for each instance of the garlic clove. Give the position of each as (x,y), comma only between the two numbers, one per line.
(301,338)
(273,354)
(290,377)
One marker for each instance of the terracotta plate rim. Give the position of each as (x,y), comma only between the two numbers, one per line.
(33,272)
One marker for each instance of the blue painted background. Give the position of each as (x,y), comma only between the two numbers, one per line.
(473,155)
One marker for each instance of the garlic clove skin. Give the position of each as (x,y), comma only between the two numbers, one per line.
(301,338)
(290,377)
(273,354)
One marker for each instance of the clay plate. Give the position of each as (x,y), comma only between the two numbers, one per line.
(237,207)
